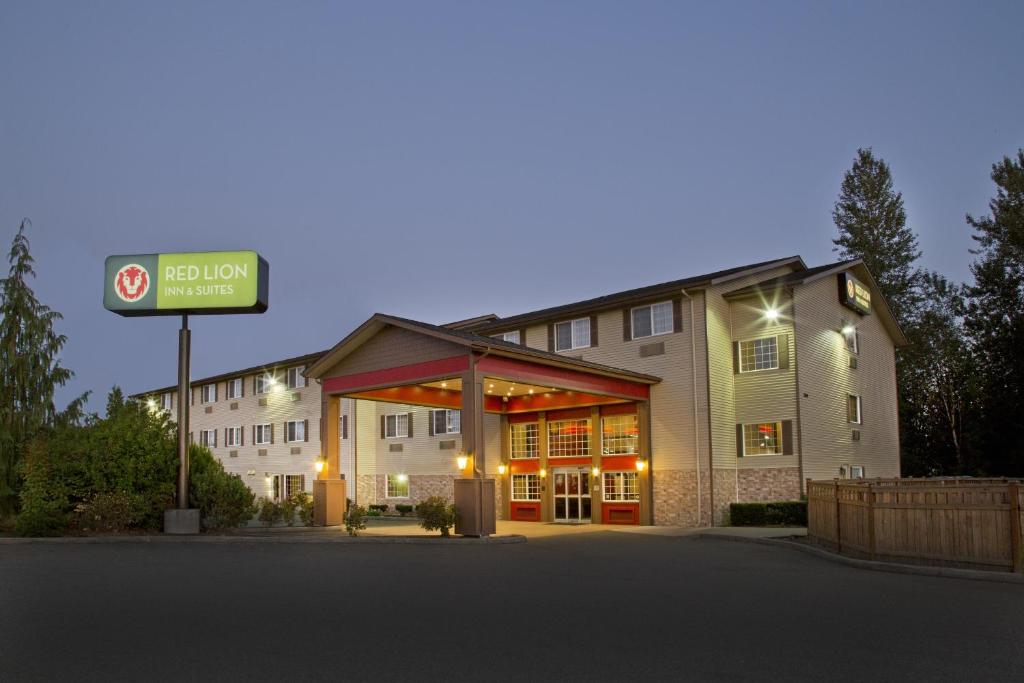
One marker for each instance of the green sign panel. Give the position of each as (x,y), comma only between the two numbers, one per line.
(197,283)
(853,294)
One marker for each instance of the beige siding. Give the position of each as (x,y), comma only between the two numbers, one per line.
(393,347)
(826,379)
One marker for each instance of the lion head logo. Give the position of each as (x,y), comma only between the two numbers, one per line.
(851,289)
(131,282)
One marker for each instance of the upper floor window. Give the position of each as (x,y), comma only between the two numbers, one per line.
(233,436)
(525,440)
(208,438)
(396,426)
(233,388)
(344,426)
(446,421)
(263,434)
(525,487)
(652,320)
(262,383)
(759,354)
(397,486)
(569,438)
(295,378)
(512,336)
(572,334)
(295,430)
(762,438)
(620,486)
(209,393)
(619,435)
(165,400)
(853,413)
(851,338)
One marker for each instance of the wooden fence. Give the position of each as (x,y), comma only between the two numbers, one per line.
(974,523)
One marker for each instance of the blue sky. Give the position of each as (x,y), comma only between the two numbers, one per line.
(441,160)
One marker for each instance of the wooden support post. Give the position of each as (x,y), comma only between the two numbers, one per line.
(1013,490)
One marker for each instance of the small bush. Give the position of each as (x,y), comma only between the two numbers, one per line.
(304,505)
(781,513)
(41,518)
(404,510)
(355,520)
(378,507)
(270,512)
(223,499)
(436,514)
(114,511)
(288,510)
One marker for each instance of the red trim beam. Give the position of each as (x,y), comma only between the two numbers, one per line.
(401,374)
(534,373)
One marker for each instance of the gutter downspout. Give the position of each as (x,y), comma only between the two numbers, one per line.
(696,421)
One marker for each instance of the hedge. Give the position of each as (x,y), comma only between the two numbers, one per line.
(781,513)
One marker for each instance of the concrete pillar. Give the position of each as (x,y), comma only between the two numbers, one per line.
(506,459)
(595,459)
(330,437)
(546,502)
(643,419)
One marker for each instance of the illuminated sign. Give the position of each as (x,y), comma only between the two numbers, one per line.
(196,283)
(853,294)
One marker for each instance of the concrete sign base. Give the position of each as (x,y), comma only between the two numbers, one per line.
(181,522)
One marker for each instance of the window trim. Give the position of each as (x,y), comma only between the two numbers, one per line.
(604,491)
(751,340)
(170,400)
(860,409)
(228,443)
(447,422)
(572,334)
(511,441)
(396,435)
(504,336)
(855,350)
(780,446)
(205,441)
(387,486)
(297,370)
(297,423)
(265,428)
(590,431)
(512,487)
(263,379)
(205,391)
(231,395)
(635,441)
(650,306)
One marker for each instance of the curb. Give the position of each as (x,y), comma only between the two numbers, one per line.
(875,565)
(364,540)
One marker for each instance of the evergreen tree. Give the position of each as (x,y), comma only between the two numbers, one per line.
(873,227)
(29,368)
(995,319)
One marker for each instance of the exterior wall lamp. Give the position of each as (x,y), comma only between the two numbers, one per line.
(847,329)
(595,471)
(641,464)
(772,313)
(543,473)
(319,465)
(502,468)
(461,461)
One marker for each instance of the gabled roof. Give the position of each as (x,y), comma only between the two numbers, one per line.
(813,274)
(631,296)
(472,342)
(471,322)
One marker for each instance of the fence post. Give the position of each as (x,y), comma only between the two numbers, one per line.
(871,521)
(839,526)
(1013,488)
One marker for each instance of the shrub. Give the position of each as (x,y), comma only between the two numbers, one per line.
(270,512)
(114,511)
(782,513)
(436,514)
(304,505)
(378,507)
(288,510)
(355,520)
(223,500)
(403,510)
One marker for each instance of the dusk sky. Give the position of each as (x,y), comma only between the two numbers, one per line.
(444,160)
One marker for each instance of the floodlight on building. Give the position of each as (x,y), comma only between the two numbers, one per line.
(772,313)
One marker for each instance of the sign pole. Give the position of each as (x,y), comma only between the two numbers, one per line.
(184,398)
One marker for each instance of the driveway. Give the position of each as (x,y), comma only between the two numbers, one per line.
(572,607)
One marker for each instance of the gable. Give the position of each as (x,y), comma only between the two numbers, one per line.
(392,347)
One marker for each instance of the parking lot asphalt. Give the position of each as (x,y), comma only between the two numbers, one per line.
(584,607)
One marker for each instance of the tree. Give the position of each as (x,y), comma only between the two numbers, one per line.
(29,369)
(873,226)
(995,319)
(937,383)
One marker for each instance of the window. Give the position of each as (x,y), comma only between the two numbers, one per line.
(853,413)
(208,438)
(344,426)
(573,334)
(263,434)
(397,486)
(619,435)
(165,400)
(851,338)
(759,354)
(294,430)
(446,421)
(287,485)
(525,440)
(856,471)
(619,486)
(525,487)
(652,320)
(295,378)
(233,436)
(569,438)
(512,336)
(396,426)
(263,383)
(209,393)
(762,438)
(234,388)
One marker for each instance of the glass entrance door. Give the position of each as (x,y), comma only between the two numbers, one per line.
(572,495)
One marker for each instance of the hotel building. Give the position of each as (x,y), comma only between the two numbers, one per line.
(658,405)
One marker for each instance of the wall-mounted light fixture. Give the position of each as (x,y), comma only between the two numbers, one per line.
(402,478)
(543,473)
(502,468)
(641,464)
(595,471)
(772,313)
(461,460)
(847,329)
(319,465)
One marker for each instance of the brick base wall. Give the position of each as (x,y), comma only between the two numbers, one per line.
(725,493)
(675,498)
(372,489)
(764,485)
